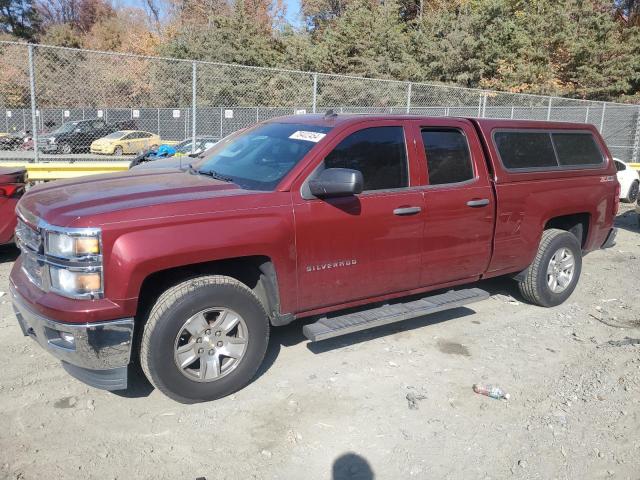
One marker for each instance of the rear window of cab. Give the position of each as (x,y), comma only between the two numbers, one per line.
(547,150)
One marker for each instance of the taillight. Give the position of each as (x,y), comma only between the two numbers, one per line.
(616,200)
(11,190)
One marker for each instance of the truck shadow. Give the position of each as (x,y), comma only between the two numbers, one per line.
(8,253)
(291,335)
(628,220)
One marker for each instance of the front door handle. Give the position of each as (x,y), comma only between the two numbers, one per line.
(407,211)
(482,202)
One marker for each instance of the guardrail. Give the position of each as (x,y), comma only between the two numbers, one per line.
(60,170)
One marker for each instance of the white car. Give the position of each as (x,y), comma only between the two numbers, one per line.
(629,181)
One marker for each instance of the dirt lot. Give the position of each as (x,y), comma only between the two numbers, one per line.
(341,409)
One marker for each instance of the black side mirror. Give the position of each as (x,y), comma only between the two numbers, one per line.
(336,182)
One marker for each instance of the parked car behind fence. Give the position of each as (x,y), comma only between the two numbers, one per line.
(125,142)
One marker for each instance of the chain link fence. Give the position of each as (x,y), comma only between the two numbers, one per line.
(60,103)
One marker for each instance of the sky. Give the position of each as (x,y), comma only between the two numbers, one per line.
(293,8)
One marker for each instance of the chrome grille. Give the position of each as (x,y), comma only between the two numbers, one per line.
(33,266)
(28,237)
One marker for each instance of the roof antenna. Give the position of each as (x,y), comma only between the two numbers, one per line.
(330,114)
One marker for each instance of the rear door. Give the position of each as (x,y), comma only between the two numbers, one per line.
(369,244)
(459,201)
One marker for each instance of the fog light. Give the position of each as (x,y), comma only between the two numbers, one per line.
(67,337)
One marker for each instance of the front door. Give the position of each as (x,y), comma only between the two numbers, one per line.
(368,244)
(459,201)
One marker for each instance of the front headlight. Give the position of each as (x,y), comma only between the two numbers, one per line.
(52,140)
(73,246)
(75,283)
(74,256)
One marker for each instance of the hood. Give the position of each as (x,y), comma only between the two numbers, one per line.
(81,201)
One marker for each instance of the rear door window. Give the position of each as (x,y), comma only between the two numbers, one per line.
(519,149)
(378,152)
(576,149)
(448,157)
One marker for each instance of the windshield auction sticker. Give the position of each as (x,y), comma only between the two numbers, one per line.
(314,137)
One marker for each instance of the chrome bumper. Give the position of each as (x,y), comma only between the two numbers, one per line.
(96,353)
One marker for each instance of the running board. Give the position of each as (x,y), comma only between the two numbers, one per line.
(375,317)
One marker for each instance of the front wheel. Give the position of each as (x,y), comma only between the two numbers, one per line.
(66,148)
(117,151)
(204,339)
(555,271)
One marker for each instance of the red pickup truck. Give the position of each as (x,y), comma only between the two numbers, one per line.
(12,184)
(186,270)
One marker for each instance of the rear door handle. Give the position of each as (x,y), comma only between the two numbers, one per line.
(407,211)
(482,202)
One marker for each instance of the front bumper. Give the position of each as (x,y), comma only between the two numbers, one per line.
(611,238)
(102,150)
(95,353)
(48,147)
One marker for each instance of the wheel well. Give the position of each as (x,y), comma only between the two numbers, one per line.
(576,223)
(256,272)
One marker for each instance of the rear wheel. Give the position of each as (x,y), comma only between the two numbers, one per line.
(632,195)
(204,339)
(117,151)
(555,271)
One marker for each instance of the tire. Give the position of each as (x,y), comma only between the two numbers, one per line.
(536,286)
(165,331)
(117,151)
(632,194)
(66,148)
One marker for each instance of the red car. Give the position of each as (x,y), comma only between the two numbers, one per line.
(303,216)
(12,182)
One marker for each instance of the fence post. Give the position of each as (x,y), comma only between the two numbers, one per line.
(635,153)
(480,104)
(484,105)
(34,124)
(193,107)
(604,108)
(409,96)
(315,91)
(549,109)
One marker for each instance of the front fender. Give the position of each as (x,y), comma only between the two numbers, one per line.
(136,253)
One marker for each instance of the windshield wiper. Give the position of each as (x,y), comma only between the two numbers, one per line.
(213,174)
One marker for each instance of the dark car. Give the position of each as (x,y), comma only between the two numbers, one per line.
(77,136)
(14,141)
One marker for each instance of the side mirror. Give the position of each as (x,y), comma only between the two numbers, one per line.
(336,182)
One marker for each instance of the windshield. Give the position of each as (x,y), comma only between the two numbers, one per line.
(115,135)
(258,158)
(66,128)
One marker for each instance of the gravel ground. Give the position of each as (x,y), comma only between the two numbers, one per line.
(394,402)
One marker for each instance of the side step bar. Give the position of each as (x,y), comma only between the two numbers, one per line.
(374,317)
